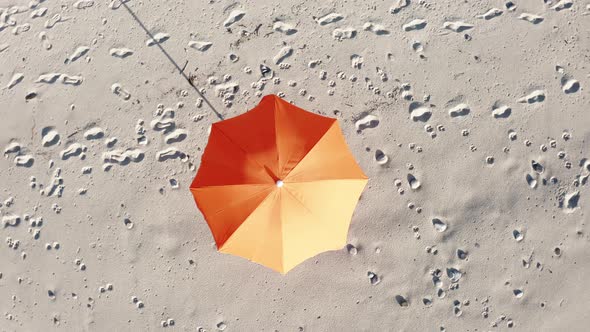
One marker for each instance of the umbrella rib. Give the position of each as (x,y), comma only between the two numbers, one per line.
(245,220)
(307,153)
(259,244)
(231,205)
(297,199)
(241,148)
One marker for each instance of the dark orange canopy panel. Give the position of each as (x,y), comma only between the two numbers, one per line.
(278,184)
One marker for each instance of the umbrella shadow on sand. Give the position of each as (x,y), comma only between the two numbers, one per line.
(180,70)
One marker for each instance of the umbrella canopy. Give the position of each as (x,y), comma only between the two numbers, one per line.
(277,184)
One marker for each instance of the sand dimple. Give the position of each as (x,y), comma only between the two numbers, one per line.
(439,225)
(413,182)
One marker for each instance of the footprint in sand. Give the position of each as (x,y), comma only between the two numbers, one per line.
(39,12)
(118,90)
(233,17)
(16,79)
(175,136)
(375,28)
(71,80)
(457,26)
(570,202)
(356,61)
(459,111)
(569,85)
(50,136)
(537,96)
(398,6)
(115,4)
(490,14)
(284,53)
(563,4)
(366,122)
(51,22)
(94,133)
(78,53)
(12,147)
(500,110)
(419,112)
(17,30)
(74,150)
(49,78)
(330,18)
(171,153)
(416,24)
(158,38)
(200,46)
(123,157)
(24,160)
(45,40)
(285,28)
(532,18)
(120,52)
(344,33)
(83,4)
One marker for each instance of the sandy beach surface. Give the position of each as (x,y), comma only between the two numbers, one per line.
(471,119)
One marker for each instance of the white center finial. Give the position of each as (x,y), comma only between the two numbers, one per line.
(279,183)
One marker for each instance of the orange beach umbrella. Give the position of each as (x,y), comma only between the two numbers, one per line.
(277,184)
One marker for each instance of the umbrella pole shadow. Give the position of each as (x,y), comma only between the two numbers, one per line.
(180,70)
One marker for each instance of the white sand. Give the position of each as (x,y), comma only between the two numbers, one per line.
(471,119)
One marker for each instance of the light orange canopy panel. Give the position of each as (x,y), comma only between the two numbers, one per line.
(278,184)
